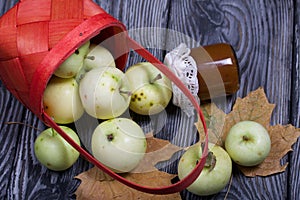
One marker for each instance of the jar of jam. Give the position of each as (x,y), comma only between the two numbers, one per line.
(218,70)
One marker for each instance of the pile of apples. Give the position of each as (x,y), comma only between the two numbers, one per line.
(89,81)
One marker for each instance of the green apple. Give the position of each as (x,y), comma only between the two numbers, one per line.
(105,92)
(61,100)
(248,143)
(152,90)
(119,143)
(214,176)
(72,65)
(53,151)
(98,56)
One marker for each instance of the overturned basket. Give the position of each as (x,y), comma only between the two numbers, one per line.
(35,38)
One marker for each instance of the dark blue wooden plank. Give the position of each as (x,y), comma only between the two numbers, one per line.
(294,158)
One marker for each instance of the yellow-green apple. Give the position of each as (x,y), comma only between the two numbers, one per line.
(72,65)
(152,90)
(98,56)
(61,100)
(119,143)
(53,151)
(215,174)
(248,143)
(105,92)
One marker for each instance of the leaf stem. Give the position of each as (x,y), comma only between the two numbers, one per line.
(24,124)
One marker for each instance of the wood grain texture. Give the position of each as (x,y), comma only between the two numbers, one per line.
(265,35)
(294,158)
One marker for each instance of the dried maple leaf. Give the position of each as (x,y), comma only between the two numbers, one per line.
(97,185)
(215,119)
(282,138)
(254,107)
(157,150)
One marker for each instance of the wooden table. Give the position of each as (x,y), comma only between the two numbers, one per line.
(264,34)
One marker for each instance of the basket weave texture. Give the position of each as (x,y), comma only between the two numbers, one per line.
(28,33)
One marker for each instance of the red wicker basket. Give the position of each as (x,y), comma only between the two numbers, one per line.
(36,37)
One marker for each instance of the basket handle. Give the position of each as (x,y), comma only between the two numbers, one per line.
(174,188)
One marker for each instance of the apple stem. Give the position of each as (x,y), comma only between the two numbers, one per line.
(53,132)
(210,159)
(159,76)
(90,57)
(110,137)
(126,92)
